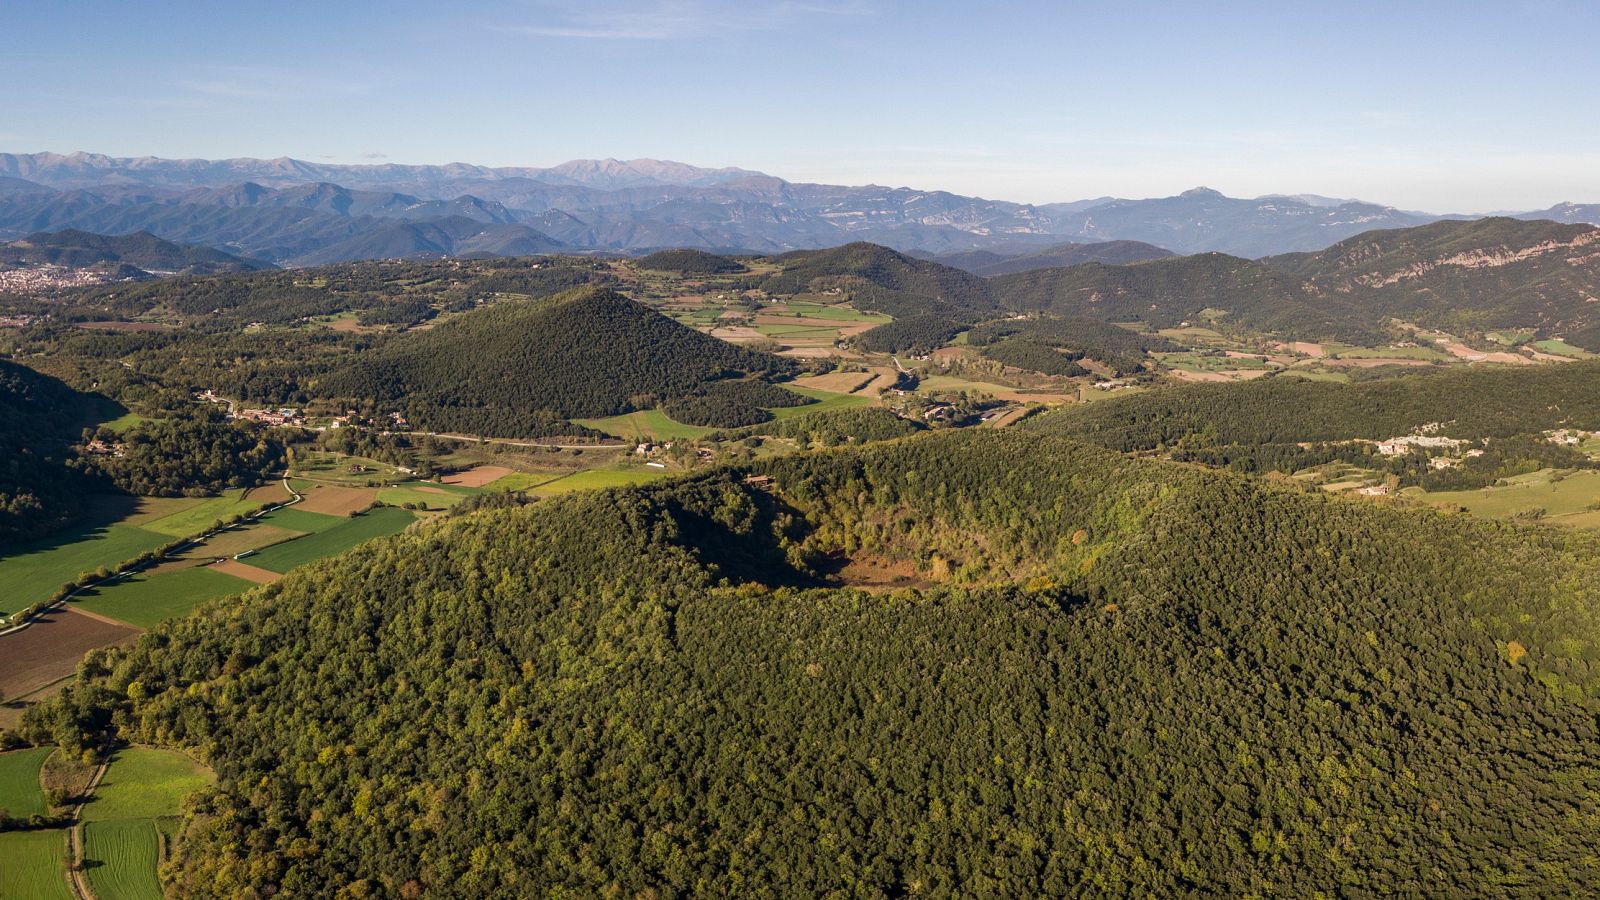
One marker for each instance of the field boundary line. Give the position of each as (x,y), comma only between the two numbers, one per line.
(124,569)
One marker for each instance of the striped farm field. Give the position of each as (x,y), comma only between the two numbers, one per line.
(197,518)
(593,479)
(121,858)
(20,795)
(331,541)
(33,865)
(147,598)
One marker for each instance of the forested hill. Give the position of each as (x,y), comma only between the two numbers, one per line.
(1114,253)
(1166,293)
(39,417)
(80,249)
(519,368)
(1125,677)
(691,262)
(1459,276)
(1460,403)
(879,279)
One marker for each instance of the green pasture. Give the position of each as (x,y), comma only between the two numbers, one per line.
(20,795)
(144,599)
(34,571)
(332,541)
(593,479)
(33,865)
(143,783)
(826,402)
(120,859)
(645,424)
(198,518)
(1565,500)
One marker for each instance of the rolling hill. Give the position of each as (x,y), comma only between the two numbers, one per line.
(691,262)
(1466,276)
(1100,675)
(523,368)
(144,251)
(880,279)
(1111,253)
(40,417)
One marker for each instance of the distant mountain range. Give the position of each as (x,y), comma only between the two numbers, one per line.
(294,212)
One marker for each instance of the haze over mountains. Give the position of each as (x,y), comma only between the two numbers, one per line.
(289,211)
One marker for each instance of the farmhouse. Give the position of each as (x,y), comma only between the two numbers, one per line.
(1399,445)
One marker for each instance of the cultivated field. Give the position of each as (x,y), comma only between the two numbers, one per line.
(147,598)
(122,848)
(236,569)
(337,501)
(332,541)
(35,570)
(120,858)
(592,479)
(20,794)
(826,401)
(33,865)
(426,495)
(49,649)
(647,424)
(199,515)
(143,783)
(477,476)
(836,382)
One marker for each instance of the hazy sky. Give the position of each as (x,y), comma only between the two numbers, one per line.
(1466,106)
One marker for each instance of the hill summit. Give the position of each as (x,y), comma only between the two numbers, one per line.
(520,368)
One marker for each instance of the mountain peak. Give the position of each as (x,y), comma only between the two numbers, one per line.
(1203,193)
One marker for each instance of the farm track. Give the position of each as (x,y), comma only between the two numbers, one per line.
(512,443)
(80,882)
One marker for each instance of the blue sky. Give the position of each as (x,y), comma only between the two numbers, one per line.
(1448,106)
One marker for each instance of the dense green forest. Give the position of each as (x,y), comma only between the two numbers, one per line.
(1121,677)
(1462,403)
(858,425)
(1023,353)
(880,280)
(1465,277)
(196,452)
(691,262)
(913,334)
(39,418)
(520,368)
